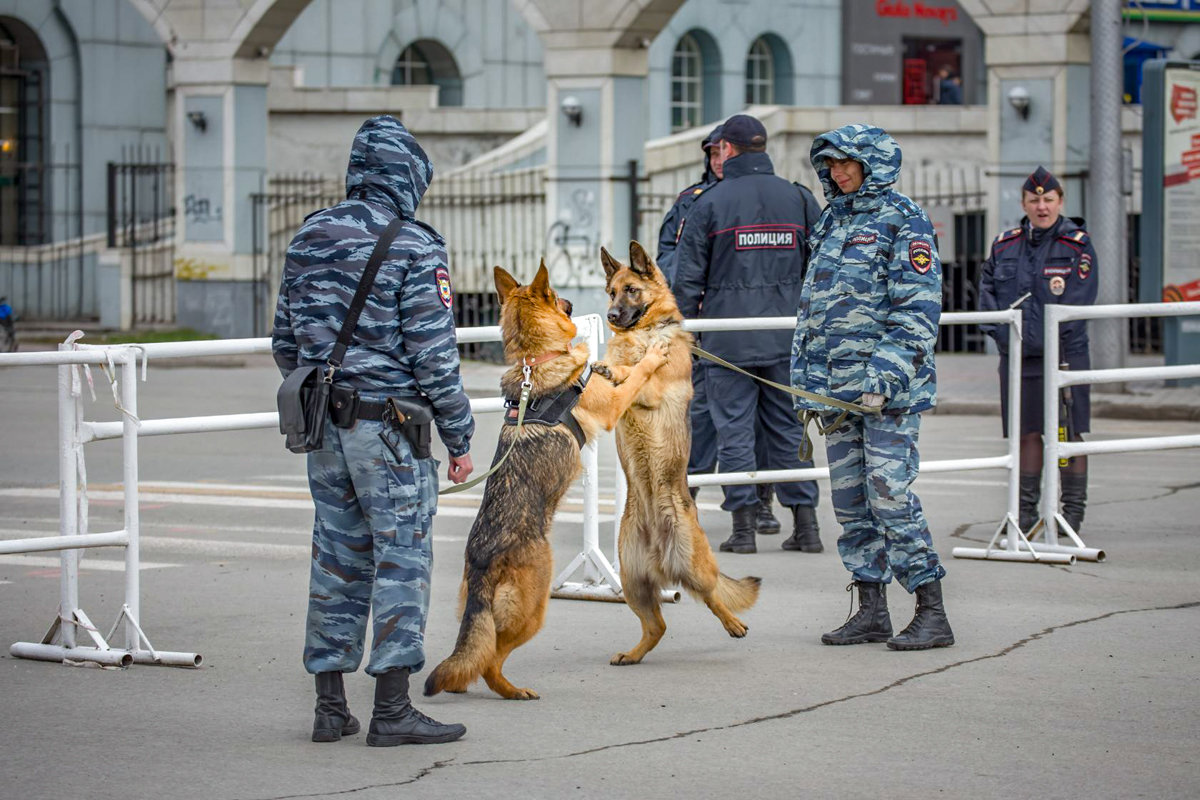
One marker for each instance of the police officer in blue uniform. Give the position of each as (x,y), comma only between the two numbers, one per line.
(1050,258)
(375,497)
(742,253)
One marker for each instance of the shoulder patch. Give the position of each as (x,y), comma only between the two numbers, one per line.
(1009,234)
(1085,266)
(920,253)
(441,277)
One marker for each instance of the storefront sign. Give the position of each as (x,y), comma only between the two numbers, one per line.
(918,10)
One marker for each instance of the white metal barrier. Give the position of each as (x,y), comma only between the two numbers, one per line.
(1052,522)
(61,641)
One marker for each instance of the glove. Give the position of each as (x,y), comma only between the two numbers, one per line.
(871,401)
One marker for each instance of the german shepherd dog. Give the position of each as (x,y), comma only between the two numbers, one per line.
(661,543)
(509,563)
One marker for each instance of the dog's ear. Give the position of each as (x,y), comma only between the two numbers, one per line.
(611,265)
(640,261)
(541,281)
(505,283)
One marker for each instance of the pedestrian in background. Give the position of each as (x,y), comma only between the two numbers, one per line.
(865,333)
(742,253)
(1050,258)
(375,499)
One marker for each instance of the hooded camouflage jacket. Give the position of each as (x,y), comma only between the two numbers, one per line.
(871,300)
(405,342)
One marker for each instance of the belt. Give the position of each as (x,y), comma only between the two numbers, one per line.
(366,410)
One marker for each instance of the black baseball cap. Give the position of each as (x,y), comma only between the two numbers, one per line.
(744,130)
(713,139)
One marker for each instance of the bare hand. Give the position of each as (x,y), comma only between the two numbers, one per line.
(460,468)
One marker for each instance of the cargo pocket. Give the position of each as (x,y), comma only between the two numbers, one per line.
(847,368)
(404,489)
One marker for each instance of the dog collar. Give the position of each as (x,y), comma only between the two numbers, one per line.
(543,358)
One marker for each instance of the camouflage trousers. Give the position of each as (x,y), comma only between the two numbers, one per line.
(873,461)
(372,551)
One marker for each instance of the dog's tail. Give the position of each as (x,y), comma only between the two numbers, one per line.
(737,594)
(476,645)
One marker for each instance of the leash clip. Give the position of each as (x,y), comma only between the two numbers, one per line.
(527,374)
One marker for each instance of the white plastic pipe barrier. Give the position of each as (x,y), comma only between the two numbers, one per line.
(1015,547)
(1052,522)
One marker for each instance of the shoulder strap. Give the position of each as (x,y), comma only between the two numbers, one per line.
(360,296)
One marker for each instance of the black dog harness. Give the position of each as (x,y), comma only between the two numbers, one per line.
(552,409)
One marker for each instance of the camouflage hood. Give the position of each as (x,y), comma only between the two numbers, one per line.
(870,146)
(387,166)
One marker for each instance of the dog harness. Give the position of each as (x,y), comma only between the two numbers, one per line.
(552,409)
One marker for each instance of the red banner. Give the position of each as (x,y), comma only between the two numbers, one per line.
(1183,103)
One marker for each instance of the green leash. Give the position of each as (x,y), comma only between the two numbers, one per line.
(808,415)
(526,387)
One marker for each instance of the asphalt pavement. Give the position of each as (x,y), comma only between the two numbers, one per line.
(1066,682)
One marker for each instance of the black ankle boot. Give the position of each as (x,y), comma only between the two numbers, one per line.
(1030,494)
(929,626)
(764,520)
(742,540)
(333,719)
(1074,498)
(395,721)
(806,536)
(871,623)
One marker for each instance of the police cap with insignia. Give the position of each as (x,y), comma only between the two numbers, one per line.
(743,130)
(712,140)
(1041,181)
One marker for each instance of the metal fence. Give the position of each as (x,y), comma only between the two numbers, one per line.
(487,220)
(141,223)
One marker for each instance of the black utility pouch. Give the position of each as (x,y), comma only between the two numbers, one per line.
(302,400)
(343,406)
(413,417)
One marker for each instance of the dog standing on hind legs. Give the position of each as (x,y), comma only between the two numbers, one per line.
(509,563)
(661,542)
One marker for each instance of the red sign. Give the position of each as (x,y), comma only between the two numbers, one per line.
(1187,293)
(899,8)
(1183,103)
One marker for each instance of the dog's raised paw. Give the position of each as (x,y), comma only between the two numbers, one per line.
(600,368)
(624,660)
(736,628)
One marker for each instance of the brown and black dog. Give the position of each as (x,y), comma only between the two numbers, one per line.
(661,542)
(509,563)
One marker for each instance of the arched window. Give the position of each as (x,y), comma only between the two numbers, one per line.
(24,196)
(687,84)
(768,72)
(760,74)
(426,62)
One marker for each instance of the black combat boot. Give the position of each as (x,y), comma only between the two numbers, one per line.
(742,540)
(806,536)
(333,719)
(929,626)
(395,721)
(871,623)
(765,522)
(1074,498)
(1030,494)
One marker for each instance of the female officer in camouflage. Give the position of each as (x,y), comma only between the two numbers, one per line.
(375,500)
(865,332)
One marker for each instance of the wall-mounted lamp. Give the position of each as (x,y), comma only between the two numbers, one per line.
(572,109)
(1018,98)
(198,119)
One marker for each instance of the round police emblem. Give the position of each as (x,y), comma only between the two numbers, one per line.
(442,277)
(1057,285)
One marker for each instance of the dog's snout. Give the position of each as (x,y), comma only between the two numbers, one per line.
(614,314)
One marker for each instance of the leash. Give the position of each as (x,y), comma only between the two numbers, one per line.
(806,416)
(526,388)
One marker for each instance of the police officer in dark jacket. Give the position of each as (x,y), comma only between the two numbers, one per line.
(375,496)
(742,253)
(1051,258)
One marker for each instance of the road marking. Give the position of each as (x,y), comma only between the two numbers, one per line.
(19,560)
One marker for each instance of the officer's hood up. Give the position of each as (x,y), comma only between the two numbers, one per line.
(873,148)
(387,166)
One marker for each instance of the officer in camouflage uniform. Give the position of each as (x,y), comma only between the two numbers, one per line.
(375,501)
(1049,257)
(865,333)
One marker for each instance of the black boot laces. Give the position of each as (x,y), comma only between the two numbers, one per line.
(850,615)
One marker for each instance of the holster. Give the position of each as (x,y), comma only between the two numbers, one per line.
(413,418)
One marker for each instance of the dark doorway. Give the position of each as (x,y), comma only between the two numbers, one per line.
(923,61)
(24,181)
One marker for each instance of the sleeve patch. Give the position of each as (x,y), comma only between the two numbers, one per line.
(920,253)
(442,277)
(1085,266)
